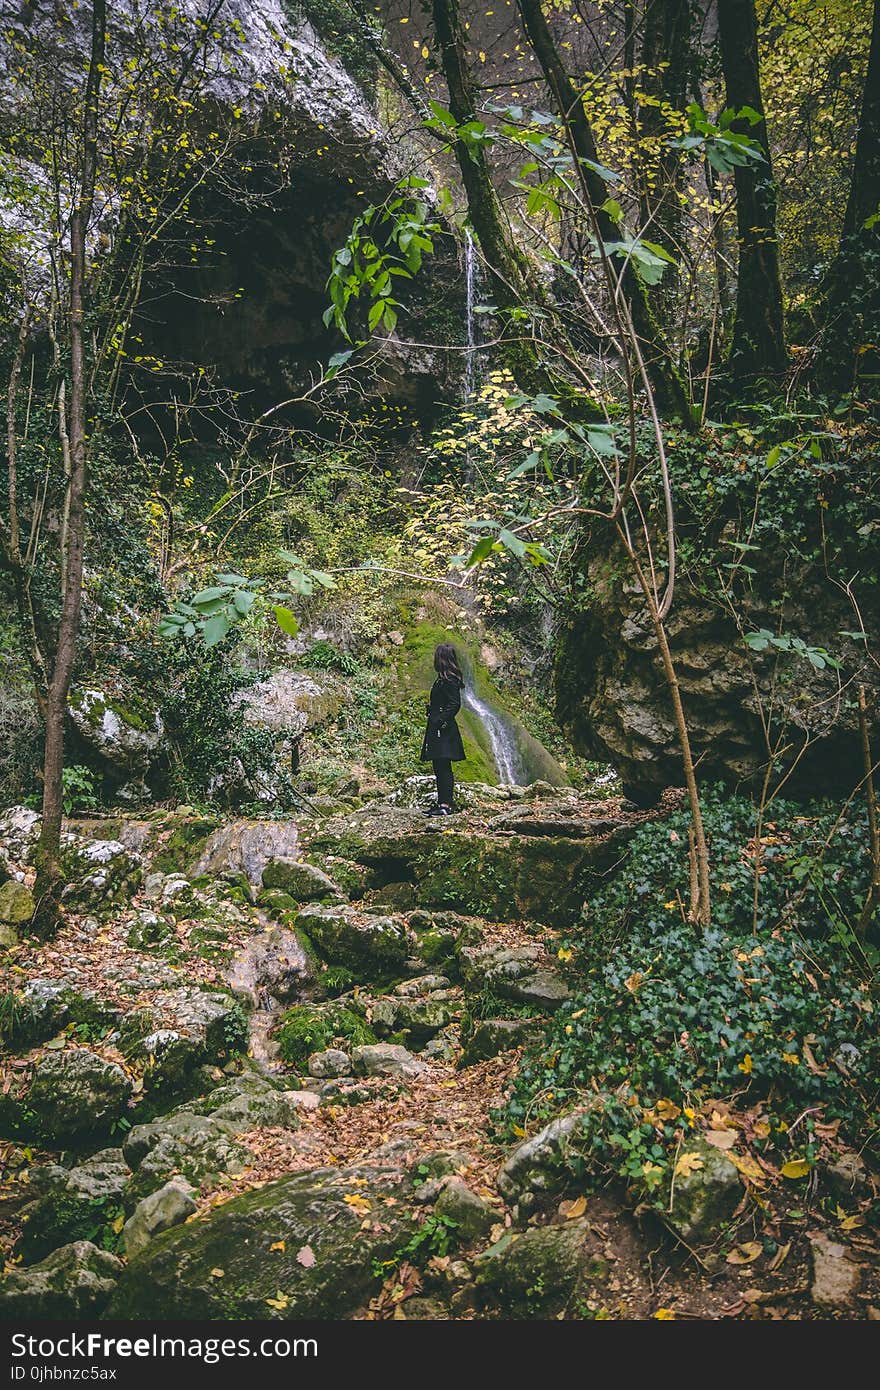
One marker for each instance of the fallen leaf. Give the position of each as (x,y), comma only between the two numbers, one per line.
(849,1223)
(217,1273)
(571,1210)
(747,1166)
(278,1245)
(305,1257)
(664,1315)
(780,1257)
(280,1300)
(795,1168)
(744,1254)
(720,1138)
(688,1163)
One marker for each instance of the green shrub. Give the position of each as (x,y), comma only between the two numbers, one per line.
(306,1029)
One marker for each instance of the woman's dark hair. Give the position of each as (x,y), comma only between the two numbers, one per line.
(446,663)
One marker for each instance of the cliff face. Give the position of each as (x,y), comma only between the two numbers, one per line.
(613,701)
(251,311)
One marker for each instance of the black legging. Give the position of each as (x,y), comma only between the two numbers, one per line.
(445,781)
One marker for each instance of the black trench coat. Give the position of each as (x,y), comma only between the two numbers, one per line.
(442,738)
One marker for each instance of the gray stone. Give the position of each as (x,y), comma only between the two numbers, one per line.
(704,1196)
(357,940)
(99,1178)
(73,1282)
(332,1062)
(542,1162)
(539,1272)
(423,984)
(835,1278)
(180,1030)
(472,1216)
(847,1177)
(244,848)
(302,881)
(386,1059)
(494,1035)
(69,1094)
(19,829)
(196,1147)
(101,873)
(298,1235)
(275,961)
(125,739)
(167,1207)
(422,1019)
(521,973)
(16,906)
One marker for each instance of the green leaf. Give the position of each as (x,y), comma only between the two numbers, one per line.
(481,550)
(286,621)
(513,543)
(215,629)
(209,595)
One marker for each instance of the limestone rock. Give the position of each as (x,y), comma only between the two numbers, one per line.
(332,1062)
(541,1163)
(521,973)
(245,847)
(16,906)
(835,1279)
(386,1059)
(126,737)
(422,1019)
(472,1216)
(74,1203)
(68,1095)
(539,1272)
(196,1147)
(289,702)
(174,1276)
(302,881)
(74,1282)
(19,829)
(847,1177)
(705,1195)
(100,873)
(164,1208)
(276,962)
(181,1029)
(494,1035)
(362,942)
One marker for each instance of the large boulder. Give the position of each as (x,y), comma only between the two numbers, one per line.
(74,1282)
(303,882)
(541,1272)
(195,1147)
(19,829)
(276,961)
(66,1095)
(16,905)
(166,1207)
(100,873)
(363,942)
(613,701)
(521,973)
(303,1247)
(180,1030)
(125,735)
(467,869)
(79,1203)
(244,848)
(544,1162)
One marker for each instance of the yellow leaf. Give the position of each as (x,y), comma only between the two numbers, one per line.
(795,1168)
(849,1223)
(278,1245)
(571,1210)
(217,1273)
(280,1300)
(747,1166)
(688,1163)
(791,1059)
(633,984)
(746,1064)
(119,1223)
(667,1110)
(664,1315)
(780,1256)
(425,50)
(518,1131)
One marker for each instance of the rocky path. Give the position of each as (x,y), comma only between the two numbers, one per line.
(255,1072)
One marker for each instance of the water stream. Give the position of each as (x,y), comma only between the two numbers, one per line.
(508,760)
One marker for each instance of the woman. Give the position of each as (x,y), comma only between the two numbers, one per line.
(442,745)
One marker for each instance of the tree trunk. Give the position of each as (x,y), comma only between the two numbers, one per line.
(758,341)
(669,388)
(853,288)
(48,849)
(514,286)
(667,78)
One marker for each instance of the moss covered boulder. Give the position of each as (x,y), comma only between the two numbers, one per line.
(16,904)
(310,1028)
(66,1095)
(298,1238)
(79,1203)
(365,943)
(540,1273)
(74,1282)
(303,882)
(707,1189)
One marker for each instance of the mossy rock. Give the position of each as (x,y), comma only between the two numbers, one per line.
(309,1028)
(184,844)
(16,903)
(368,944)
(542,1272)
(256,1240)
(61,1217)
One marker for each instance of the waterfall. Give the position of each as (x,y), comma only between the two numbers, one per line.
(470,280)
(511,772)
